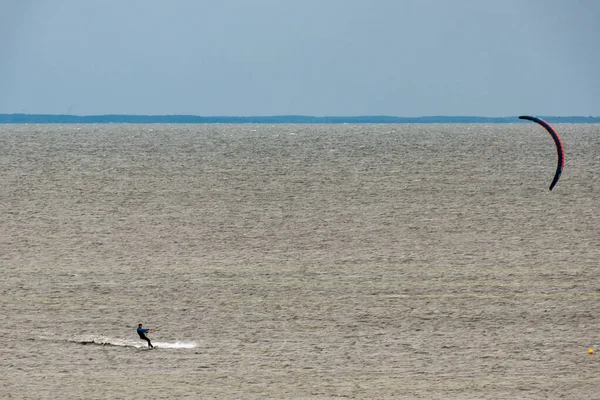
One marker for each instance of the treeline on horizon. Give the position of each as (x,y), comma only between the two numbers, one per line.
(276,119)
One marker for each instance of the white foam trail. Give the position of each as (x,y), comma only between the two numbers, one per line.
(101,340)
(174,345)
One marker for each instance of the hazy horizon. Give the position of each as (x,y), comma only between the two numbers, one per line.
(273,119)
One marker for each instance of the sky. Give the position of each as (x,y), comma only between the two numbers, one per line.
(404,58)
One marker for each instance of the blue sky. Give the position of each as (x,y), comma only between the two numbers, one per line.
(311,57)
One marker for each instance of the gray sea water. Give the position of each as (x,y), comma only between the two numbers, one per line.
(299,261)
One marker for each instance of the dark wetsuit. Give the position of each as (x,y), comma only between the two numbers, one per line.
(142,332)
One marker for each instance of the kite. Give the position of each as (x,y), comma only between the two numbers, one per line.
(557,141)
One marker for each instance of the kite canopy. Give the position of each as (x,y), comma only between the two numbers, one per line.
(557,142)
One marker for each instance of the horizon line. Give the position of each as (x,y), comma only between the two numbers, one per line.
(20,118)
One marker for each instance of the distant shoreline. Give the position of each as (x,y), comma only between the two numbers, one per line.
(276,119)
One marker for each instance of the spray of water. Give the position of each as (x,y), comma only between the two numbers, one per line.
(107,341)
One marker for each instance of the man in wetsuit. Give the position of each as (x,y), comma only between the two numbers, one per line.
(142,332)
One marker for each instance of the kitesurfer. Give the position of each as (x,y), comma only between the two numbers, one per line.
(142,332)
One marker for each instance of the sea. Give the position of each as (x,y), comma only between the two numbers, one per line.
(308,261)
